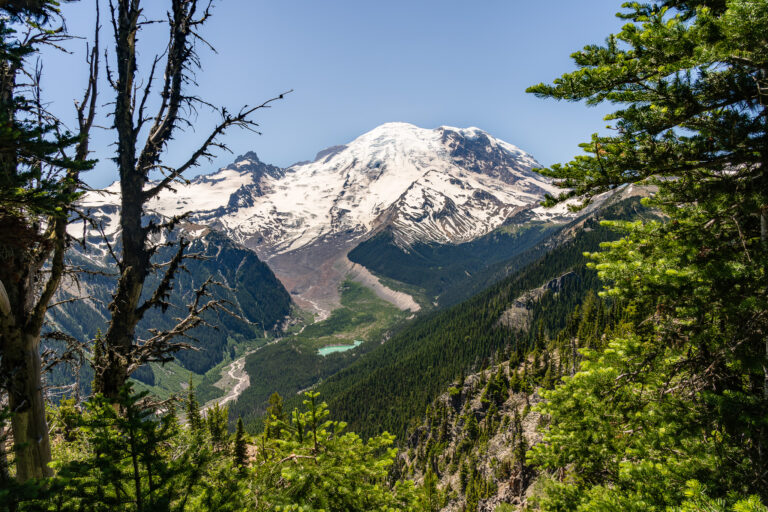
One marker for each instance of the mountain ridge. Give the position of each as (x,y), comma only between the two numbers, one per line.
(445,185)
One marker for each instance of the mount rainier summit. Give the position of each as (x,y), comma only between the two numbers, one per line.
(445,185)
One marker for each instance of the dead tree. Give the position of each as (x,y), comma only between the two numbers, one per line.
(122,352)
(39,184)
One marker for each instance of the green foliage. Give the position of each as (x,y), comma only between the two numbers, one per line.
(451,272)
(696,499)
(689,78)
(392,385)
(36,179)
(13,492)
(676,392)
(294,364)
(317,465)
(274,416)
(431,492)
(496,390)
(240,451)
(194,418)
(126,457)
(217,421)
(359,308)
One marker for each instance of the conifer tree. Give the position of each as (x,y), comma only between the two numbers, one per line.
(431,492)
(684,377)
(194,418)
(274,416)
(241,448)
(130,459)
(40,166)
(317,465)
(216,421)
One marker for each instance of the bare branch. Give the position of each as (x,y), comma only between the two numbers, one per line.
(147,90)
(161,346)
(69,300)
(240,119)
(74,355)
(163,290)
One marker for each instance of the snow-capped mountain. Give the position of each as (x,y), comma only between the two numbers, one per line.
(444,185)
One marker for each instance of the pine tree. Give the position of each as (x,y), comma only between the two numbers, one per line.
(40,166)
(464,476)
(132,459)
(194,418)
(275,417)
(216,421)
(316,464)
(520,451)
(241,448)
(471,427)
(683,376)
(432,494)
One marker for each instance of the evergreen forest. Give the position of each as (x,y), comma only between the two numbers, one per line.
(618,362)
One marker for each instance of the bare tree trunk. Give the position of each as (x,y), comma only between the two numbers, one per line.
(20,370)
(19,346)
(112,372)
(122,352)
(31,442)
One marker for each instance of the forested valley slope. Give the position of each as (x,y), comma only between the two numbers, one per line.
(590,336)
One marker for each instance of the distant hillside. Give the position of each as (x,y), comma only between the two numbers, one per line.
(472,439)
(252,292)
(447,270)
(391,386)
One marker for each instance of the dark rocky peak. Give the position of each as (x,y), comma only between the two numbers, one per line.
(250,162)
(476,151)
(250,155)
(558,283)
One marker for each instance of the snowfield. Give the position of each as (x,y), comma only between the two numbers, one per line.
(443,185)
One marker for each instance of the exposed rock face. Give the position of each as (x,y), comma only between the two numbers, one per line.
(503,423)
(476,151)
(447,185)
(518,316)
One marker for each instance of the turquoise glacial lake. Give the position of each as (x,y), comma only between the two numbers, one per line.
(338,348)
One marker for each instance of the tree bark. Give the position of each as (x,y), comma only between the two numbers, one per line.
(31,443)
(33,242)
(112,372)
(20,370)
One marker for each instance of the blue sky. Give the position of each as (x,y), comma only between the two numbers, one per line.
(356,64)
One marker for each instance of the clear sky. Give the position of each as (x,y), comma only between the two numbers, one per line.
(355,64)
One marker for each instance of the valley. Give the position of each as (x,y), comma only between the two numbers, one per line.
(233,382)
(419,218)
(420,318)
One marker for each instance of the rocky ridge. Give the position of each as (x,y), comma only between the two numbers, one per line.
(447,185)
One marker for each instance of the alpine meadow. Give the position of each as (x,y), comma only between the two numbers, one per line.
(421,317)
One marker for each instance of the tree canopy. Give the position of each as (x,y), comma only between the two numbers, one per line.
(679,393)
